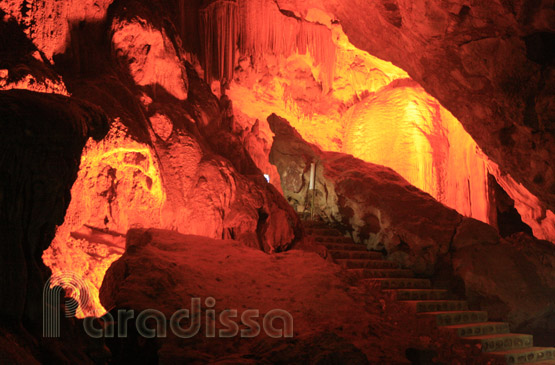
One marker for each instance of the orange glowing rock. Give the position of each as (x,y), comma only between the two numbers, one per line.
(118,186)
(404,128)
(338,97)
(373,111)
(149,55)
(260,29)
(532,211)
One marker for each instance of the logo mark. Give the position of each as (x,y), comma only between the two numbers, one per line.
(76,295)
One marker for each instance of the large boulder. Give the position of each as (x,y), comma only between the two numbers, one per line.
(383,209)
(333,322)
(165,271)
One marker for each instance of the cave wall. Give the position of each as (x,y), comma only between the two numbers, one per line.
(404,128)
(41,142)
(489,63)
(298,87)
(371,109)
(504,102)
(170,158)
(172,150)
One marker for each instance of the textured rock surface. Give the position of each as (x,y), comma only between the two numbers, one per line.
(41,142)
(171,159)
(511,278)
(489,63)
(49,24)
(333,322)
(372,111)
(146,50)
(164,270)
(22,65)
(40,146)
(385,211)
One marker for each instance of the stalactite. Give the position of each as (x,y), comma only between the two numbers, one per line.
(258,28)
(219,34)
(264,29)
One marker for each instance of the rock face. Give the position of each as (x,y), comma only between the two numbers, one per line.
(489,63)
(332,321)
(170,160)
(146,50)
(373,111)
(165,270)
(385,211)
(511,278)
(41,143)
(173,157)
(43,20)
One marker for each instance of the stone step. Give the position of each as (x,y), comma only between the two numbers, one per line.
(479,329)
(526,355)
(316,224)
(324,232)
(366,264)
(382,273)
(355,255)
(333,239)
(343,246)
(502,341)
(420,306)
(418,294)
(446,318)
(399,283)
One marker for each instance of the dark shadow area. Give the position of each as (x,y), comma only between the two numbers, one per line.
(509,220)
(420,357)
(540,47)
(19,55)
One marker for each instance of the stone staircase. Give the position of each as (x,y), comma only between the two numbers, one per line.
(471,326)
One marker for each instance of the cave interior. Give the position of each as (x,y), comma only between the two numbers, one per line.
(277,181)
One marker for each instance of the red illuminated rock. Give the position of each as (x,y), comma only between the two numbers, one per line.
(484,62)
(170,160)
(332,322)
(145,50)
(22,65)
(49,23)
(164,270)
(510,278)
(385,211)
(489,63)
(176,158)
